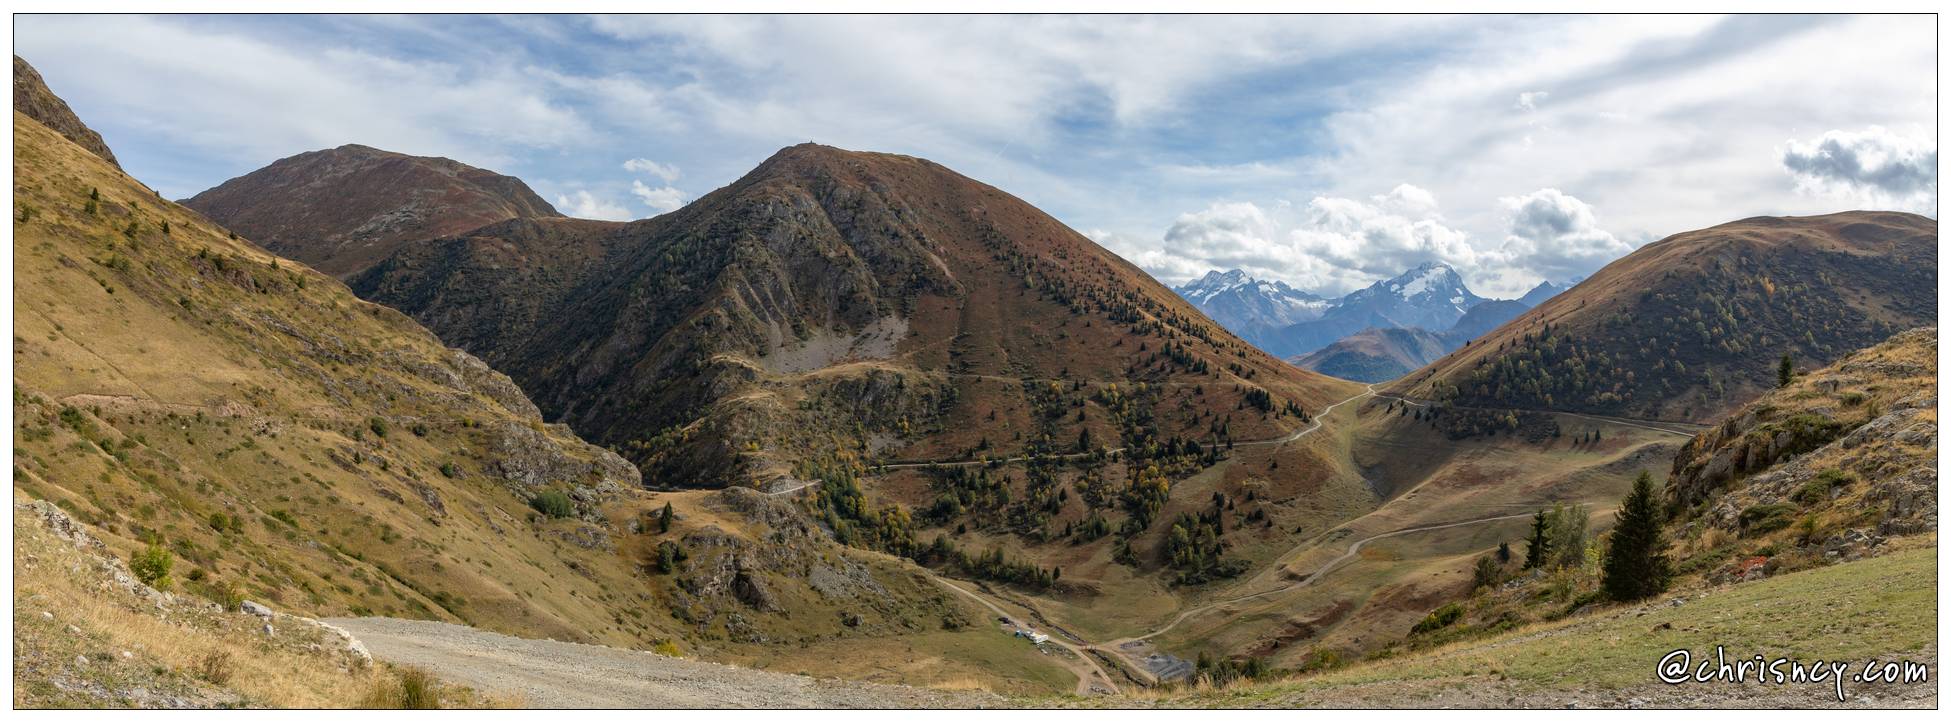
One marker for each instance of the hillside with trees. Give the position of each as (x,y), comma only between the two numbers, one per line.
(1692,326)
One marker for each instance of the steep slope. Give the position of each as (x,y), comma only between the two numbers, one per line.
(33,98)
(833,301)
(286,442)
(342,209)
(1691,326)
(1431,296)
(1828,465)
(1250,307)
(1376,355)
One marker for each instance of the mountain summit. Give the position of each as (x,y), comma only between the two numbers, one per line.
(829,300)
(1251,307)
(342,209)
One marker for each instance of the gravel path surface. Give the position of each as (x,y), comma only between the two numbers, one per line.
(550,674)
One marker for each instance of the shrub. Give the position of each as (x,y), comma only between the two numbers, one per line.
(1817,490)
(152,565)
(553,503)
(667,648)
(1763,519)
(214,668)
(378,426)
(419,690)
(414,689)
(1438,619)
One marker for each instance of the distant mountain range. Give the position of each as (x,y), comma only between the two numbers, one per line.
(1430,300)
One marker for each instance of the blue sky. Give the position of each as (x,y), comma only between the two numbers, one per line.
(1324,151)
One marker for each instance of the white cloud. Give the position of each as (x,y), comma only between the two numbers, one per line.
(1334,245)
(244,96)
(1528,100)
(583,204)
(1873,166)
(665,172)
(1556,236)
(663,200)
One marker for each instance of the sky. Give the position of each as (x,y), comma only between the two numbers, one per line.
(1324,151)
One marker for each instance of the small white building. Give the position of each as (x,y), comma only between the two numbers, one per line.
(1034,636)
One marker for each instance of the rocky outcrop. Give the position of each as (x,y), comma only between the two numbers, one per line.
(529,457)
(33,98)
(1861,434)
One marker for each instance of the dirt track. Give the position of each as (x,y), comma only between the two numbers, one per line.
(550,674)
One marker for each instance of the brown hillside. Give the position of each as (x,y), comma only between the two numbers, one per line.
(328,456)
(1692,326)
(342,209)
(832,300)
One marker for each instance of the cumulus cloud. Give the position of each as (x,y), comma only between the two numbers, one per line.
(1334,245)
(1529,100)
(662,200)
(665,172)
(1556,236)
(583,204)
(1873,166)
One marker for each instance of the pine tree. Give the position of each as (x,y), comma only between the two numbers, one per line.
(1540,550)
(1785,372)
(664,519)
(1635,563)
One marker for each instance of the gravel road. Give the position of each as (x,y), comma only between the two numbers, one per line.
(550,674)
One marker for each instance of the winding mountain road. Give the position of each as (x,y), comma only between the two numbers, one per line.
(1086,683)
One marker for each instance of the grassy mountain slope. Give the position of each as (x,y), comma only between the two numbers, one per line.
(175,384)
(1804,524)
(1691,326)
(342,209)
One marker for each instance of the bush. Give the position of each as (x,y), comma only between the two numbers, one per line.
(152,565)
(1763,519)
(553,503)
(419,690)
(1438,619)
(1817,490)
(414,689)
(214,668)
